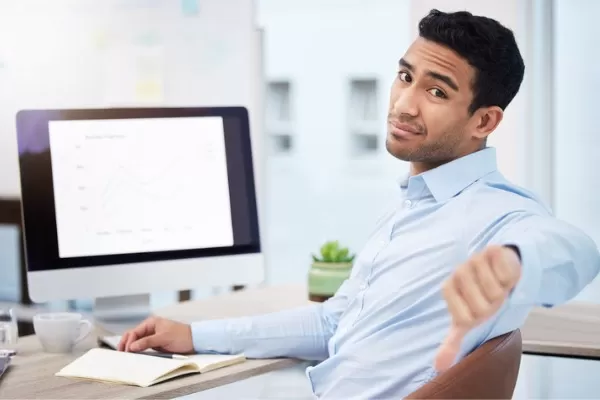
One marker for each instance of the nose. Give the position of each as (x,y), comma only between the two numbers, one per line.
(406,102)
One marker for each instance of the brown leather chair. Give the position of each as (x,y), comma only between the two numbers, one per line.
(489,372)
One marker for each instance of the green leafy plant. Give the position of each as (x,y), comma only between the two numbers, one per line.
(332,252)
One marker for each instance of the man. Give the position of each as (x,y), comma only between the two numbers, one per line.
(461,257)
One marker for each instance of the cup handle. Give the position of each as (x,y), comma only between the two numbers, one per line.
(85,327)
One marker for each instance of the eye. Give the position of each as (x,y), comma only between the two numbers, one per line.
(437,93)
(404,76)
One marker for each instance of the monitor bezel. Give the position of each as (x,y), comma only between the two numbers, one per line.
(40,119)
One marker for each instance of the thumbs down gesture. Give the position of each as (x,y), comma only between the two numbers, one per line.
(474,293)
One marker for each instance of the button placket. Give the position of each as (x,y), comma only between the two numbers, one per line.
(381,243)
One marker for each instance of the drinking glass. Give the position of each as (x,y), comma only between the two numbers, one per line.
(9,331)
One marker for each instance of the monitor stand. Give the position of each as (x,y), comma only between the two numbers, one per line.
(121,313)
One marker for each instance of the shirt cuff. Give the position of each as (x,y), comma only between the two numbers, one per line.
(211,337)
(527,288)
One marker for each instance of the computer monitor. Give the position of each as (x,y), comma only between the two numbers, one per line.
(130,201)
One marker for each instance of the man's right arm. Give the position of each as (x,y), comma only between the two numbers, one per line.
(298,333)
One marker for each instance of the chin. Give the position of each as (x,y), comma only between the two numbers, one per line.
(398,150)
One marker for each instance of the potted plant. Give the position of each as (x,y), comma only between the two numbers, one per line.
(328,270)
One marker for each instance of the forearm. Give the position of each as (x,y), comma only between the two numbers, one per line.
(299,333)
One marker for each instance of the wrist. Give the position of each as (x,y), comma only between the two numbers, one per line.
(211,336)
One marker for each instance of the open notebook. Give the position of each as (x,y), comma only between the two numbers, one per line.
(143,370)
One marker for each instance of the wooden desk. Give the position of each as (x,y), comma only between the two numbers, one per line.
(572,330)
(31,374)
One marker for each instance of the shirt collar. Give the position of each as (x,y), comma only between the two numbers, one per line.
(447,180)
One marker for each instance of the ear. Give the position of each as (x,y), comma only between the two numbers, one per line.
(485,121)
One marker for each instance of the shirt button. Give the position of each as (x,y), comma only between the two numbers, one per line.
(408,203)
(363,286)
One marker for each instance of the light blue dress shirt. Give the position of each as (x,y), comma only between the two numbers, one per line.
(379,335)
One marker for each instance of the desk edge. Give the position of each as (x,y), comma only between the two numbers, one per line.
(222,380)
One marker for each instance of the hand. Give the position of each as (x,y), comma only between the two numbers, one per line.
(474,293)
(159,334)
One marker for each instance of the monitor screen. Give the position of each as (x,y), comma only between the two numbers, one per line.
(137,185)
(103,187)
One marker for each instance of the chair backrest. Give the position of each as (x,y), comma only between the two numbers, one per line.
(489,372)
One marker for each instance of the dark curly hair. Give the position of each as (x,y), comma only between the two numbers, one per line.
(489,47)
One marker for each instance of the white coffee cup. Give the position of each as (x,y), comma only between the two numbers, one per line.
(59,332)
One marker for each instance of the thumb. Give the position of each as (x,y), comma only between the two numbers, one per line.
(145,343)
(449,348)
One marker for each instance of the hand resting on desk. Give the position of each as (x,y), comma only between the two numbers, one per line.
(159,334)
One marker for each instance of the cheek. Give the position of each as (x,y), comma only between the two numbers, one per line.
(439,120)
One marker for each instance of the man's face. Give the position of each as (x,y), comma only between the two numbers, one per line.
(428,119)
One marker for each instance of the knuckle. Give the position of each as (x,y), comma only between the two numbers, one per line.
(494,248)
(477,264)
(481,263)
(460,277)
(504,276)
(478,258)
(482,257)
(490,288)
(469,265)
(497,292)
(494,294)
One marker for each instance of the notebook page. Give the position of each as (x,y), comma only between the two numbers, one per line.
(209,362)
(115,366)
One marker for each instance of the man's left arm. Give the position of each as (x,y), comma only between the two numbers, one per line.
(557,260)
(531,260)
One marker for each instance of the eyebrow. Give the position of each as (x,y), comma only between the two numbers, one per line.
(435,75)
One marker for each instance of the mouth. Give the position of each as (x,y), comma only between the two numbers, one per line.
(402,131)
